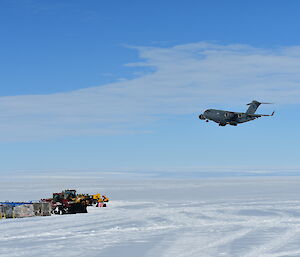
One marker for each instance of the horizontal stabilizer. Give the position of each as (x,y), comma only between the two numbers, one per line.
(259,103)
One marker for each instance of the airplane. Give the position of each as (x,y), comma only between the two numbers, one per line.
(233,118)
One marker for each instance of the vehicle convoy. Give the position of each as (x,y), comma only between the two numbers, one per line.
(69,202)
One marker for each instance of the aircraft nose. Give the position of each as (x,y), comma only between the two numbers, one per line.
(202,117)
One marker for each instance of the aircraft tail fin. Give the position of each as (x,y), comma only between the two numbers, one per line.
(253,106)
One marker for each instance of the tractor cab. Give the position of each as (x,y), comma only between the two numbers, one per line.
(69,194)
(57,197)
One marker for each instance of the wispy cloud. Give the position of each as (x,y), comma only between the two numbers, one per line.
(151,172)
(183,79)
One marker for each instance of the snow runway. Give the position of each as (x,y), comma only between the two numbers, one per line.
(168,219)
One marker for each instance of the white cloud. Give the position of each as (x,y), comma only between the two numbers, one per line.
(185,79)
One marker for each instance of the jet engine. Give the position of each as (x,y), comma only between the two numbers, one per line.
(228,115)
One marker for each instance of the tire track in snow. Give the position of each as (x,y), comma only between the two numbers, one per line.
(189,244)
(295,253)
(276,243)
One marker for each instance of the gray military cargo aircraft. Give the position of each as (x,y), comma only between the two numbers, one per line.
(233,118)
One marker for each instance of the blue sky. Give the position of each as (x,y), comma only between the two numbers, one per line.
(118,85)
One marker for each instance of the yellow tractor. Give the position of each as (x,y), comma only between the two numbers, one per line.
(100,200)
(91,200)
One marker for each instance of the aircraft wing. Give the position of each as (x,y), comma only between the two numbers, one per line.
(260,115)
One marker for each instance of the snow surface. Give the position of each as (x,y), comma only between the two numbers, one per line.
(247,217)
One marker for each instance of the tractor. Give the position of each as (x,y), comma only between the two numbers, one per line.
(67,202)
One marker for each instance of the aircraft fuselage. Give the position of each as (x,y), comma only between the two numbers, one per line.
(225,117)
